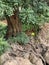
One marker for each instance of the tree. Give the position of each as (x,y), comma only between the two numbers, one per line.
(32,14)
(14,24)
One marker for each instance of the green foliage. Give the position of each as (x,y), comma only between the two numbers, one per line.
(36,14)
(3,29)
(32,11)
(26,27)
(3,43)
(3,46)
(21,38)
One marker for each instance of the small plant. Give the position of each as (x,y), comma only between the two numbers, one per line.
(21,38)
(3,28)
(3,47)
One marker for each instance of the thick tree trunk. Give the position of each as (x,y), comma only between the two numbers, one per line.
(14,25)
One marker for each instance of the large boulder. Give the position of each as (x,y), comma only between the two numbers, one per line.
(18,61)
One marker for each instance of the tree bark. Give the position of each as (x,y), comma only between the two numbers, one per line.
(14,24)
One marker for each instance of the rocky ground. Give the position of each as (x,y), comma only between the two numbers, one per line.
(36,52)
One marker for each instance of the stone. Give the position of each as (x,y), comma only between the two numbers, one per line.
(35,60)
(18,61)
(46,56)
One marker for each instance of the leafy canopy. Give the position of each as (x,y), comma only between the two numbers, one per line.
(33,12)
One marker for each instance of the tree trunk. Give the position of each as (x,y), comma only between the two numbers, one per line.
(14,25)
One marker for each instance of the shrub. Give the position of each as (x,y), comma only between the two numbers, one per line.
(3,28)
(21,38)
(3,46)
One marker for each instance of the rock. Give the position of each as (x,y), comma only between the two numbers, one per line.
(35,60)
(44,34)
(16,47)
(11,62)
(39,62)
(23,61)
(18,61)
(46,56)
(5,57)
(26,55)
